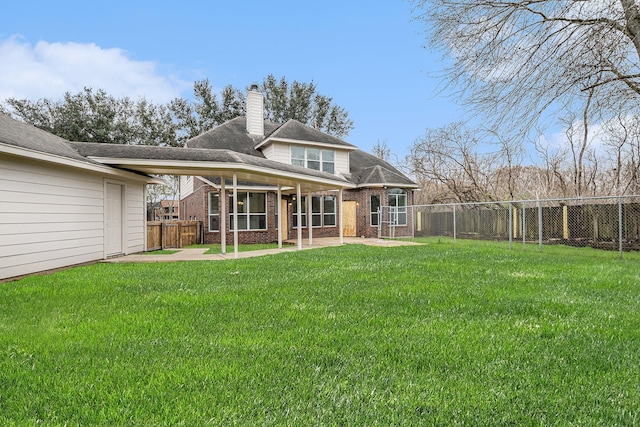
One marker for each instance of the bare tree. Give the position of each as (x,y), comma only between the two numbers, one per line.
(447,164)
(516,61)
(381,150)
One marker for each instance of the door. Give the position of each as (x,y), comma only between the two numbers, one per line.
(349,219)
(113,221)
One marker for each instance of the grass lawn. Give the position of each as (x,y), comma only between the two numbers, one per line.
(438,334)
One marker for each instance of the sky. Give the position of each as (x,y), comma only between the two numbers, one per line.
(368,56)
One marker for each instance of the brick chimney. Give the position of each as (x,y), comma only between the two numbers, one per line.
(255,111)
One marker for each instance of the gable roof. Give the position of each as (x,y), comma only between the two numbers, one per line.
(296,131)
(368,170)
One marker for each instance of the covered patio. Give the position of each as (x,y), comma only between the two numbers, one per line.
(289,179)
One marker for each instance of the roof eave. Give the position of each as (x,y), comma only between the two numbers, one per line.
(269,140)
(98,167)
(388,185)
(226,169)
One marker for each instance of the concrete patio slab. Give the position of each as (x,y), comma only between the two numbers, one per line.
(198,254)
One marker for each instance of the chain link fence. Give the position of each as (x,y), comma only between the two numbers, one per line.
(609,223)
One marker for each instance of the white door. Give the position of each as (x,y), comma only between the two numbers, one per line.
(113,229)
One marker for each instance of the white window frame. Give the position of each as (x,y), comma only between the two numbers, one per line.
(374,213)
(316,213)
(247,214)
(217,211)
(397,198)
(326,158)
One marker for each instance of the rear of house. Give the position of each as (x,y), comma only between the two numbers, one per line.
(375,183)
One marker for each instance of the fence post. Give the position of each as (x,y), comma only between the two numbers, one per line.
(413,223)
(540,225)
(620,225)
(524,228)
(510,225)
(454,223)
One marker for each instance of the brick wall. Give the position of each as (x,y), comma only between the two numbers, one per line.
(196,206)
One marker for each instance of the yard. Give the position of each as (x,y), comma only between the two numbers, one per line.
(439,334)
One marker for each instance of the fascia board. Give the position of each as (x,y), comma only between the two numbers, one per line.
(65,161)
(304,142)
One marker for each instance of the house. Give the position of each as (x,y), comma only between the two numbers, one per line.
(370,184)
(64,203)
(59,208)
(165,210)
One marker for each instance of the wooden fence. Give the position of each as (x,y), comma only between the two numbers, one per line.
(172,234)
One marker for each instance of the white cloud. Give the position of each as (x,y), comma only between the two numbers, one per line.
(48,70)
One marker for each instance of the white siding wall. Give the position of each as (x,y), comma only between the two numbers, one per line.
(280,152)
(186,186)
(135,223)
(52,216)
(342,162)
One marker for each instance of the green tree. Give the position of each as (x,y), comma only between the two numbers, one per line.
(282,101)
(300,101)
(95,116)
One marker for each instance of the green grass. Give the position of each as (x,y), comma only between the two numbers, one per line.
(438,334)
(215,249)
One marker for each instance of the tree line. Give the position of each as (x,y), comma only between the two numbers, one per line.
(92,115)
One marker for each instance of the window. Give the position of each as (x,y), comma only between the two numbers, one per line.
(328,162)
(303,202)
(329,211)
(323,211)
(298,156)
(375,206)
(398,206)
(214,212)
(251,209)
(313,158)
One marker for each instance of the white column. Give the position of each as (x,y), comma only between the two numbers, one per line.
(299,214)
(279,210)
(235,215)
(223,216)
(340,216)
(309,218)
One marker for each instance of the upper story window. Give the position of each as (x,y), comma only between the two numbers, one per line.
(313,158)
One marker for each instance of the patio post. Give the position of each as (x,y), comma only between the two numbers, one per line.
(299,214)
(235,215)
(279,210)
(309,218)
(340,217)
(223,216)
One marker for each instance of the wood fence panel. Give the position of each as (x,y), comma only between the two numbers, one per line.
(172,234)
(154,235)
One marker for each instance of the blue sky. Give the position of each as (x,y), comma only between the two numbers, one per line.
(367,55)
